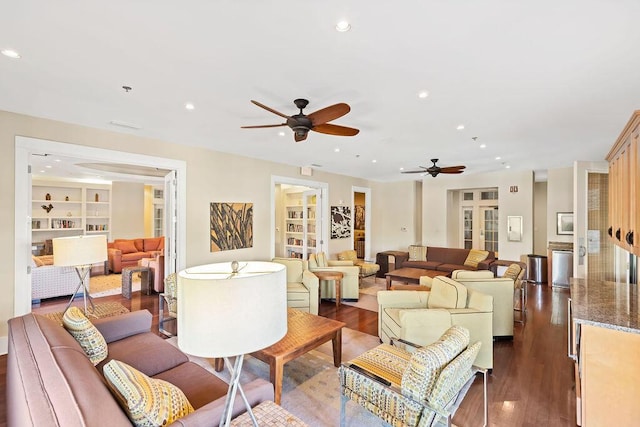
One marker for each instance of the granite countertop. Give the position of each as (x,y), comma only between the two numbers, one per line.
(605,304)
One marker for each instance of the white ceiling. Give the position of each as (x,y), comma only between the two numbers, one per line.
(541,83)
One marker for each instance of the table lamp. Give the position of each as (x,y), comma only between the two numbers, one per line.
(231,309)
(80,252)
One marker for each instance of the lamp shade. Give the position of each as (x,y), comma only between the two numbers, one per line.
(222,314)
(79,250)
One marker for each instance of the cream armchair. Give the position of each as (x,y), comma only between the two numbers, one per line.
(423,316)
(366,268)
(302,285)
(350,289)
(502,290)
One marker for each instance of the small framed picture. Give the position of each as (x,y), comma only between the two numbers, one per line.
(565,223)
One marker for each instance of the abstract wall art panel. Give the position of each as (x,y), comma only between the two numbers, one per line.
(340,222)
(231,226)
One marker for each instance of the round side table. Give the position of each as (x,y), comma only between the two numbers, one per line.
(336,276)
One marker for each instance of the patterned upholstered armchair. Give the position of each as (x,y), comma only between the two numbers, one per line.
(168,298)
(422,388)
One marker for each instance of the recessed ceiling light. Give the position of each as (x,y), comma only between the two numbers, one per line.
(460,127)
(336,150)
(374,161)
(343,26)
(498,158)
(42,171)
(11,53)
(48,166)
(281,133)
(401,169)
(508,167)
(189,106)
(423,94)
(483,145)
(57,160)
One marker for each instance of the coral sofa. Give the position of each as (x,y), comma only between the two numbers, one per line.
(448,259)
(52,382)
(127,252)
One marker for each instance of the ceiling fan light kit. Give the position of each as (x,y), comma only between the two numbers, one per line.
(317,121)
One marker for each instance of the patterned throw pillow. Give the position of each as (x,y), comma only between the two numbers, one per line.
(475,256)
(512,272)
(87,335)
(147,401)
(417,253)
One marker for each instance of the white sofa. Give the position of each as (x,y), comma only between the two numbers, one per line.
(48,281)
(350,281)
(422,317)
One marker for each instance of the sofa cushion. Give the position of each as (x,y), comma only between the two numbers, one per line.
(321,258)
(348,255)
(147,401)
(125,246)
(427,265)
(199,385)
(146,352)
(447,293)
(512,272)
(417,253)
(475,256)
(87,335)
(153,244)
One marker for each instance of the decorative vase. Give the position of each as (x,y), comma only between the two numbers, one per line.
(66,198)
(97,197)
(47,196)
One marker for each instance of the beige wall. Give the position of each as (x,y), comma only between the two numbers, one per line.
(436,197)
(559,199)
(127,210)
(211,176)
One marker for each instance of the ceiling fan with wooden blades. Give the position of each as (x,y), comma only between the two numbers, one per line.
(435,170)
(317,121)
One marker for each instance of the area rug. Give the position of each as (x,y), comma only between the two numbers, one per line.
(105,309)
(110,284)
(367,298)
(311,389)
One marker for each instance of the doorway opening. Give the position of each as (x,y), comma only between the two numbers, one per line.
(174,207)
(299,217)
(361,208)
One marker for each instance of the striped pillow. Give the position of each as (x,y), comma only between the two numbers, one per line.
(417,253)
(147,401)
(87,335)
(322,259)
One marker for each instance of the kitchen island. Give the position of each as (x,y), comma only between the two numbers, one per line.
(604,342)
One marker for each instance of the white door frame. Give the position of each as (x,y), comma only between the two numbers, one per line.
(324,208)
(367,217)
(24,147)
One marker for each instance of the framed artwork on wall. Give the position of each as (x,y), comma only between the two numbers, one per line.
(564,223)
(340,222)
(231,226)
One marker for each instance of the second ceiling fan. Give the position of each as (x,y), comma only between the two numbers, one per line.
(317,121)
(435,170)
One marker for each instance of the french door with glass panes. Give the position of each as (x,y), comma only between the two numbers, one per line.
(479,219)
(489,231)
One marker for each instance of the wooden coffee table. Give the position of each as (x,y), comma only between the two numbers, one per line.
(304,333)
(410,275)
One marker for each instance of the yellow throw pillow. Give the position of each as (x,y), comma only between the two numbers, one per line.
(417,253)
(37,261)
(147,401)
(475,256)
(512,272)
(87,335)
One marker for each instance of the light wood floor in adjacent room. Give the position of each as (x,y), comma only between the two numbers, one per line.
(532,380)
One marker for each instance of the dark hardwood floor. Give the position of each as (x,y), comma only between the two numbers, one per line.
(532,380)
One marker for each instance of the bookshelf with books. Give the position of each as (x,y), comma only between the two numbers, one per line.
(61,208)
(300,224)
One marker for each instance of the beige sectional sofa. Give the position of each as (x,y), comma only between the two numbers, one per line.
(51,381)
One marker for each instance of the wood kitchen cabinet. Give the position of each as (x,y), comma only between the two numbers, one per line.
(624,189)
